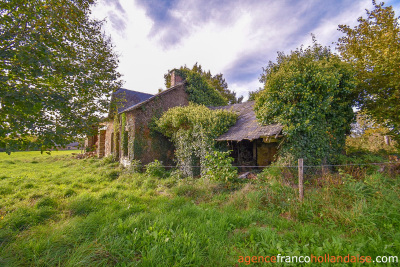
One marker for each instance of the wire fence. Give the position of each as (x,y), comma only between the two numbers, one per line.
(295,166)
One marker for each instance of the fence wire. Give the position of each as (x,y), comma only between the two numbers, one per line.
(295,166)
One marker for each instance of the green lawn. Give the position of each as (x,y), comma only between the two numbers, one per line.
(57,210)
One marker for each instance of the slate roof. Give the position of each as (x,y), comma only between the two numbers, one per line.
(132,98)
(247,126)
(149,99)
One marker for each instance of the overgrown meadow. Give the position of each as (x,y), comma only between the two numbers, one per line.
(58,210)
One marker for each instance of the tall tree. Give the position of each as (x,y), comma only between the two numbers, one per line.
(57,70)
(310,93)
(217,82)
(373,48)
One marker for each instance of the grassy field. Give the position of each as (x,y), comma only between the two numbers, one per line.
(57,210)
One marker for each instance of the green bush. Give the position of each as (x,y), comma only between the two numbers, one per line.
(155,169)
(136,166)
(200,89)
(219,167)
(310,92)
(193,129)
(107,160)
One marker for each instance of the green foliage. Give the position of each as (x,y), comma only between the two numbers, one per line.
(107,160)
(83,204)
(111,174)
(204,88)
(219,167)
(215,122)
(57,70)
(368,135)
(144,221)
(200,92)
(253,94)
(124,135)
(193,129)
(373,48)
(155,169)
(116,127)
(135,166)
(310,93)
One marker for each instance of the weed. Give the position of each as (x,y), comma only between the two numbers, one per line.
(112,174)
(83,205)
(46,202)
(155,169)
(69,192)
(53,215)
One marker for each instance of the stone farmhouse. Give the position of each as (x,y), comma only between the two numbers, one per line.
(251,143)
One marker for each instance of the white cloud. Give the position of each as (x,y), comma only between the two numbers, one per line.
(236,38)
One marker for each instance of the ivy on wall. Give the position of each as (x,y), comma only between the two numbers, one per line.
(217,82)
(193,129)
(200,90)
(124,135)
(116,136)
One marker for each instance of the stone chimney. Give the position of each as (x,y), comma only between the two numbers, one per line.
(175,78)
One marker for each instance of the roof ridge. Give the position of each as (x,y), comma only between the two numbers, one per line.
(152,97)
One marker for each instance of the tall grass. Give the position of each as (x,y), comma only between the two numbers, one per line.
(70,212)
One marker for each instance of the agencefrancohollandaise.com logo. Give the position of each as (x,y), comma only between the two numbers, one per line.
(326,258)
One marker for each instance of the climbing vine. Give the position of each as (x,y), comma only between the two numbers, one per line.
(116,134)
(310,93)
(124,135)
(200,89)
(193,129)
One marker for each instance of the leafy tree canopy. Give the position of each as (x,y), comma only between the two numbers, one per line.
(253,94)
(193,129)
(204,88)
(56,71)
(310,93)
(373,48)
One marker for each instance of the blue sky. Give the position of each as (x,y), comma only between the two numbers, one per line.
(233,37)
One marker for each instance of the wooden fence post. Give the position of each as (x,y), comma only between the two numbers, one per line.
(301,194)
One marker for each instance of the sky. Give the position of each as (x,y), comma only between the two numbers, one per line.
(234,37)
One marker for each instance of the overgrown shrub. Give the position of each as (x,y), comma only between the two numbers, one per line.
(217,82)
(136,166)
(202,90)
(310,93)
(107,160)
(218,166)
(156,169)
(368,135)
(193,129)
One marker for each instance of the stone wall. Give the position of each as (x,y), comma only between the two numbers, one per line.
(109,138)
(91,143)
(101,143)
(147,144)
(144,144)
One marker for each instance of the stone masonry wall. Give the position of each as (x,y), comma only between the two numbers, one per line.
(108,139)
(147,144)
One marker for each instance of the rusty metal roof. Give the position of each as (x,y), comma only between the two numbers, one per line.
(247,126)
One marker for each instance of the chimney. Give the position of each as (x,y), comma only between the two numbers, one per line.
(175,78)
